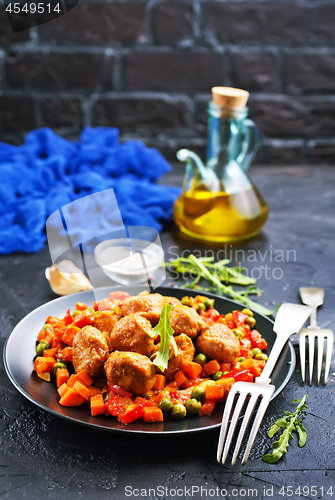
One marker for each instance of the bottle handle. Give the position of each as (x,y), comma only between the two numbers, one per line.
(249,144)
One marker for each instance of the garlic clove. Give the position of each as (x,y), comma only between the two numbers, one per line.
(66,278)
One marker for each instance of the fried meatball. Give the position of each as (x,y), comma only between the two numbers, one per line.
(131,333)
(132,371)
(186,352)
(186,320)
(219,342)
(172,301)
(148,305)
(90,351)
(106,322)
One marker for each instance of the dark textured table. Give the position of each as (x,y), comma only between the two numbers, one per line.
(47,457)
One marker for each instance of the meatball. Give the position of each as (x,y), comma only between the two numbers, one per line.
(106,322)
(131,333)
(173,301)
(186,320)
(147,305)
(90,351)
(132,371)
(186,352)
(219,342)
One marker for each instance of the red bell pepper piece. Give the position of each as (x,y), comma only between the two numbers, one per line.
(84,318)
(114,406)
(239,318)
(241,375)
(257,340)
(207,407)
(119,390)
(132,413)
(68,318)
(143,402)
(122,296)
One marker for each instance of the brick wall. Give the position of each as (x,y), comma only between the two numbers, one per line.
(147,67)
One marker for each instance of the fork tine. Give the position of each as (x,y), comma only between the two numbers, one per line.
(330,341)
(311,342)
(320,355)
(244,425)
(268,391)
(302,350)
(224,424)
(232,426)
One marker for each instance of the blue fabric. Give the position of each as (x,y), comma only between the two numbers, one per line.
(48,171)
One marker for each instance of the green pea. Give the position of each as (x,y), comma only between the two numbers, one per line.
(201,359)
(185,301)
(75,313)
(216,376)
(45,326)
(250,321)
(90,309)
(239,360)
(224,373)
(201,307)
(165,404)
(57,365)
(238,332)
(198,393)
(262,356)
(41,347)
(178,411)
(208,302)
(192,406)
(248,312)
(256,351)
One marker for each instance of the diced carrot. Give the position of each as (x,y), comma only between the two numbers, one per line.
(50,338)
(180,378)
(80,306)
(260,363)
(62,389)
(245,353)
(97,405)
(69,334)
(72,380)
(67,354)
(71,398)
(192,369)
(93,391)
(50,353)
(226,383)
(44,376)
(236,364)
(59,331)
(225,367)
(160,382)
(43,364)
(207,407)
(85,378)
(212,367)
(155,398)
(144,402)
(222,320)
(214,391)
(82,390)
(62,376)
(173,384)
(152,414)
(42,335)
(203,374)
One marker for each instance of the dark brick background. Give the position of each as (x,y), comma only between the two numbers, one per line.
(147,67)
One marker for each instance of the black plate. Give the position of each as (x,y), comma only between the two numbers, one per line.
(19,353)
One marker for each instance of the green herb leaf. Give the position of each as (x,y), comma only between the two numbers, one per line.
(290,423)
(165,332)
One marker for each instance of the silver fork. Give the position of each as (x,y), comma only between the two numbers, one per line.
(289,320)
(314,297)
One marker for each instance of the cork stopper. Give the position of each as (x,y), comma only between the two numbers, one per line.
(230,97)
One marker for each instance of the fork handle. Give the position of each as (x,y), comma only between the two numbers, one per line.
(274,355)
(313,321)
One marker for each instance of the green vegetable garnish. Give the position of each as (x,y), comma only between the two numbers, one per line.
(289,423)
(165,332)
(216,273)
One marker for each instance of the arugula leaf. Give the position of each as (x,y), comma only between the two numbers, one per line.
(165,332)
(290,423)
(217,273)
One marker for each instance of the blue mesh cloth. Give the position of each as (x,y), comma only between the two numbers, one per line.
(48,171)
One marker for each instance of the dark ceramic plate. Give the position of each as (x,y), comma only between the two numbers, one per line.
(19,356)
